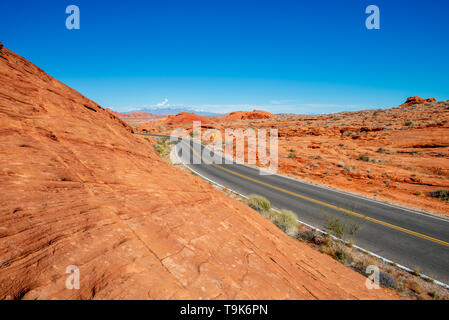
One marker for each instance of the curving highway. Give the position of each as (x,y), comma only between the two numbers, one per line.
(408,237)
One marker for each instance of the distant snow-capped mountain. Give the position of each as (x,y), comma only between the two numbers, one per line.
(174,110)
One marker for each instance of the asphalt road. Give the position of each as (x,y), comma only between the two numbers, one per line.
(408,237)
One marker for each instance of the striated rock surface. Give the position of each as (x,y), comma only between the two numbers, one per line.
(78,188)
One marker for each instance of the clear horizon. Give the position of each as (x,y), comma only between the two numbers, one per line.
(223,56)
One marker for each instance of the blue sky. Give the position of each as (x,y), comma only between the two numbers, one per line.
(225,55)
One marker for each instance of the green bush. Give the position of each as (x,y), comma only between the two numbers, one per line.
(341,255)
(345,230)
(286,221)
(259,203)
(349,168)
(335,226)
(387,281)
(363,157)
(440,194)
(163,147)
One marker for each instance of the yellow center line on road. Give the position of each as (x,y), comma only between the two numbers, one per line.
(361,216)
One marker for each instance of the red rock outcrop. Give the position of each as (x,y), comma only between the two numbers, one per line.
(246,115)
(78,188)
(417,100)
(185,118)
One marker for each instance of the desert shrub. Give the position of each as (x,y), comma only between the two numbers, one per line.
(292,155)
(381,150)
(363,157)
(387,281)
(270,214)
(362,265)
(286,221)
(408,124)
(345,230)
(163,147)
(414,286)
(335,226)
(341,254)
(307,236)
(440,194)
(418,193)
(259,203)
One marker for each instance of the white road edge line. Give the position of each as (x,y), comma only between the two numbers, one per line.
(442,284)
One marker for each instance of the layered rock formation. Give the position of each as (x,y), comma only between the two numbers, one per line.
(246,115)
(79,189)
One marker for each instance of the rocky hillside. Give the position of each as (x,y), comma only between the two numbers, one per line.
(246,115)
(78,188)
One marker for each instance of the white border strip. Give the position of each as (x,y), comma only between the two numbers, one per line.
(442,284)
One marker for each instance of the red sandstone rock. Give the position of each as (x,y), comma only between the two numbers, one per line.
(417,100)
(186,118)
(245,115)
